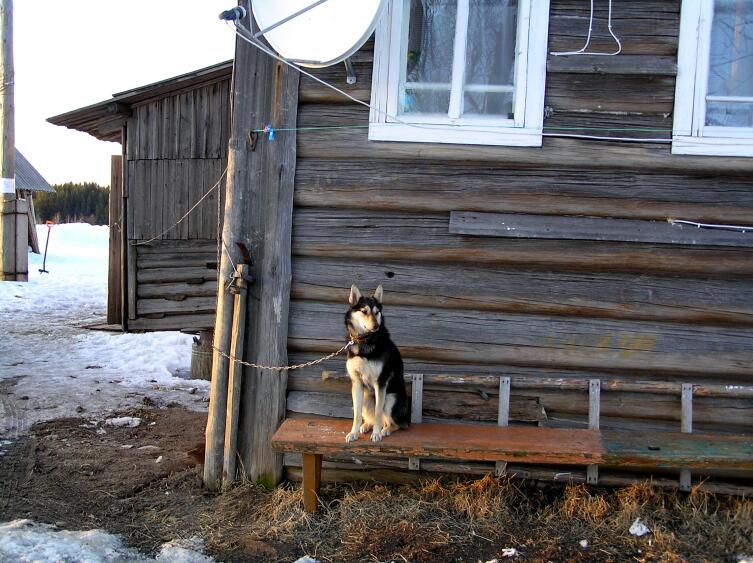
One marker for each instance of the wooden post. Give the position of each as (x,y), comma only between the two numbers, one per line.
(114,303)
(686,426)
(9,215)
(235,378)
(594,413)
(503,418)
(416,412)
(273,92)
(312,478)
(33,238)
(258,213)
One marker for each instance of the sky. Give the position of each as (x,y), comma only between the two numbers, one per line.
(73,53)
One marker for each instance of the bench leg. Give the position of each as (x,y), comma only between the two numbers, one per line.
(312,478)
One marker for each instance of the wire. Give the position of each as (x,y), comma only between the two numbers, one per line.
(740,228)
(582,50)
(244,33)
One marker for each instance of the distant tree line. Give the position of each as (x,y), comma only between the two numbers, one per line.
(73,203)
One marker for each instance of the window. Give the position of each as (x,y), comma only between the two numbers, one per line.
(714,97)
(460,71)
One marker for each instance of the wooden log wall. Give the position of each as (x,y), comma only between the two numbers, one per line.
(379,212)
(176,150)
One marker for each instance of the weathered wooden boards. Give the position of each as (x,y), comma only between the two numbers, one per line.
(161,193)
(529,444)
(193,124)
(269,209)
(175,285)
(115,254)
(520,225)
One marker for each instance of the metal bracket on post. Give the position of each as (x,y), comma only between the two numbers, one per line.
(594,413)
(503,419)
(350,71)
(686,426)
(416,412)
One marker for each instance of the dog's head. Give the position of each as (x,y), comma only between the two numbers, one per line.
(365,313)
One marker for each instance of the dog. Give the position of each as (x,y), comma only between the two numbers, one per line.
(375,367)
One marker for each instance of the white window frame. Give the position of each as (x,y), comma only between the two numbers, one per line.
(530,76)
(690,135)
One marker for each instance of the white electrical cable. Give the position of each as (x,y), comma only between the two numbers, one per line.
(582,50)
(740,228)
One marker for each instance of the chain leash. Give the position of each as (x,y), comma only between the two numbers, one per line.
(283,368)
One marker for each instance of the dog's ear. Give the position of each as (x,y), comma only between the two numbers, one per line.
(355,295)
(378,293)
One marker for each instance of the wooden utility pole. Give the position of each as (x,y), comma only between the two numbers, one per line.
(12,241)
(233,230)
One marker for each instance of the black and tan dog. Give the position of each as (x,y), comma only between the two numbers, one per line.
(380,401)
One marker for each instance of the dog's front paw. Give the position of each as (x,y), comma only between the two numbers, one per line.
(365,428)
(376,436)
(351,437)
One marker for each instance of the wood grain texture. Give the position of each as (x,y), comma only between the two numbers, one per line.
(269,210)
(115,252)
(359,235)
(524,444)
(519,225)
(443,441)
(529,340)
(437,186)
(466,286)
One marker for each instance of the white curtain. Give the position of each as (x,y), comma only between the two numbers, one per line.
(490,56)
(731,63)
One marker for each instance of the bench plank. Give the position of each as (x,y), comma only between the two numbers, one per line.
(446,441)
(560,446)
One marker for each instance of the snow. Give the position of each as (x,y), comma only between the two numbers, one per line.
(26,541)
(123,421)
(638,528)
(60,368)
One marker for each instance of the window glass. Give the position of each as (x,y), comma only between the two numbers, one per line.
(490,58)
(428,57)
(729,99)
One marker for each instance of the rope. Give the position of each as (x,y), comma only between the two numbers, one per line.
(179,221)
(277,368)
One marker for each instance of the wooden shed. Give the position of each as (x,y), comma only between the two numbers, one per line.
(527,234)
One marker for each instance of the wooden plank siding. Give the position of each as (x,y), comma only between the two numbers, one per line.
(176,151)
(379,212)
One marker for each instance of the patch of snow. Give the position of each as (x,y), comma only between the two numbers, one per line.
(583,543)
(26,541)
(306,559)
(639,529)
(158,460)
(745,559)
(509,552)
(47,352)
(123,422)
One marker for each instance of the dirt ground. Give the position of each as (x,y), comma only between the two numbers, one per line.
(144,483)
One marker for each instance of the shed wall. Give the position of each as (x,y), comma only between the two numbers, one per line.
(176,150)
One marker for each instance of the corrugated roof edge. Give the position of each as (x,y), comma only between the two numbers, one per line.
(28,177)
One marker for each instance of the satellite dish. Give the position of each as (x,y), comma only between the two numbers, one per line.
(326,34)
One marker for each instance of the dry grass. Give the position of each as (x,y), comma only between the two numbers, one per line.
(448,520)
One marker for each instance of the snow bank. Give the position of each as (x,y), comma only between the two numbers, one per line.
(25,541)
(63,369)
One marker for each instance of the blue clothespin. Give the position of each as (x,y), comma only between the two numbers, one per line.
(270,131)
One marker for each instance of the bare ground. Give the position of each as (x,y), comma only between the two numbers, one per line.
(68,474)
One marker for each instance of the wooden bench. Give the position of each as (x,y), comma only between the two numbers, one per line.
(315,438)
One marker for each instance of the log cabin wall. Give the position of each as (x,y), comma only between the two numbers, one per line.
(176,150)
(379,212)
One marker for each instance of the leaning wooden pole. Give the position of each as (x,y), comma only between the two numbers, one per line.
(8,215)
(233,231)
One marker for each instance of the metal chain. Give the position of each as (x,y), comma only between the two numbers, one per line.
(282,368)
